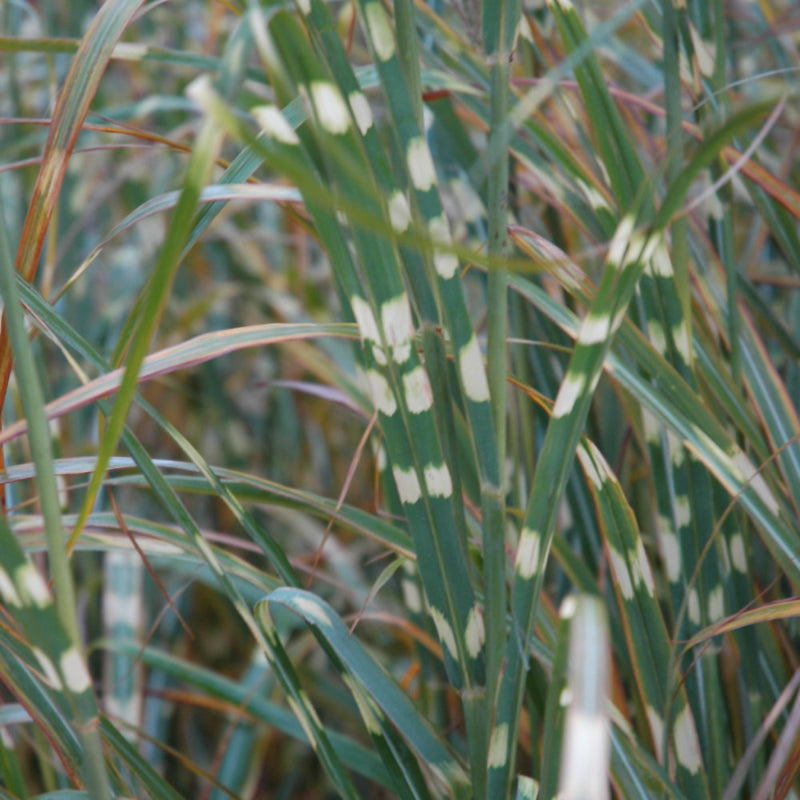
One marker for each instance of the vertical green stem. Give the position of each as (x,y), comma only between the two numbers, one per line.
(674,115)
(408,54)
(38,436)
(725,244)
(498,276)
(500,21)
(40,443)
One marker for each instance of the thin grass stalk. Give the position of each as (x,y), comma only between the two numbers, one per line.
(552,725)
(408,54)
(720,217)
(38,436)
(636,774)
(146,776)
(498,52)
(675,149)
(41,449)
(40,442)
(779,415)
(198,171)
(782,766)
(121,52)
(11,770)
(499,24)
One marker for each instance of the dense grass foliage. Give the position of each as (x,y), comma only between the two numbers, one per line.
(399,399)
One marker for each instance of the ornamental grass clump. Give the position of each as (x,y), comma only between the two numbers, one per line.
(400,400)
